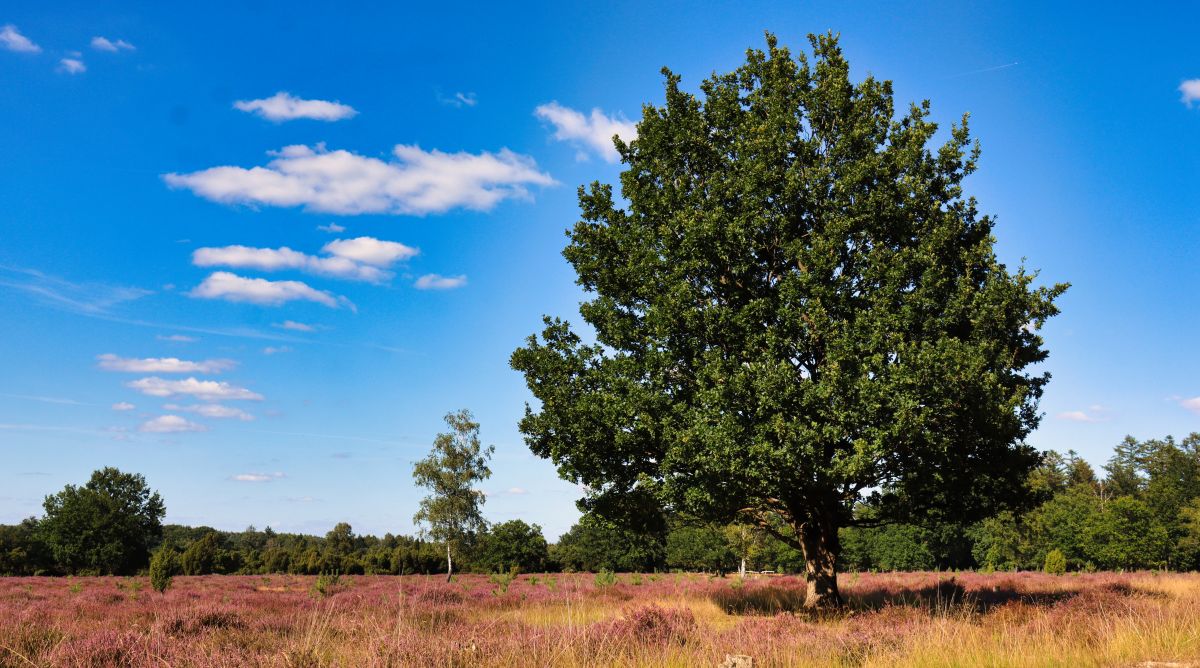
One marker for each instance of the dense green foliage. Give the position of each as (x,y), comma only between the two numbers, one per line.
(164,564)
(108,526)
(1079,523)
(796,311)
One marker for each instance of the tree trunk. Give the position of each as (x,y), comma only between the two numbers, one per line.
(819,538)
(449,562)
(742,569)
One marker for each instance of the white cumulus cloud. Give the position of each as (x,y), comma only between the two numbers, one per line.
(218,411)
(12,40)
(105,44)
(204,390)
(438,282)
(593,132)
(283,106)
(111,362)
(417,182)
(1190,91)
(234,288)
(362,259)
(369,250)
(72,66)
(170,424)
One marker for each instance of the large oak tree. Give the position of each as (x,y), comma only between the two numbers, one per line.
(796,310)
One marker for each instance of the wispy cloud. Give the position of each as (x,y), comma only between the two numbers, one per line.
(205,390)
(86,298)
(417,182)
(176,338)
(234,288)
(46,400)
(170,424)
(458,100)
(218,411)
(123,406)
(332,228)
(1190,91)
(1092,414)
(438,282)
(1192,404)
(593,132)
(295,326)
(12,40)
(362,259)
(104,44)
(111,362)
(983,70)
(275,350)
(258,477)
(284,106)
(71,66)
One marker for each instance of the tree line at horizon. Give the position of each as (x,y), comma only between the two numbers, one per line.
(1144,512)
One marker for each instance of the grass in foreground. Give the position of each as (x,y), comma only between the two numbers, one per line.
(910,619)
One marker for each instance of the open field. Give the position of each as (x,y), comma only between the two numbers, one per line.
(911,619)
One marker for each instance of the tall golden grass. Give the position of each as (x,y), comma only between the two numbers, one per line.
(909,619)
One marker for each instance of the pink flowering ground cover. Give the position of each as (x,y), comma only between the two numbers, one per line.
(1024,619)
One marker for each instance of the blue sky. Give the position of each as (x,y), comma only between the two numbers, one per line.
(150,178)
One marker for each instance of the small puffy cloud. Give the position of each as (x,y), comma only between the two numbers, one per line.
(369,250)
(105,44)
(1093,414)
(176,338)
(204,390)
(275,350)
(12,40)
(283,106)
(257,477)
(594,132)
(517,491)
(438,282)
(1192,404)
(218,411)
(110,362)
(417,182)
(332,228)
(170,424)
(295,326)
(234,288)
(362,259)
(123,406)
(1190,91)
(71,66)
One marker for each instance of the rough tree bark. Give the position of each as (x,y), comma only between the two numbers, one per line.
(820,544)
(449,563)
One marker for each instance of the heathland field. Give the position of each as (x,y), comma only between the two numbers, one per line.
(910,619)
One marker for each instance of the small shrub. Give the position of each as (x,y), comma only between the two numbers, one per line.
(635,579)
(325,585)
(1056,562)
(654,625)
(605,578)
(163,566)
(502,580)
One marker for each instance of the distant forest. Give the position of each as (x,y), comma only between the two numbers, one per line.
(1143,512)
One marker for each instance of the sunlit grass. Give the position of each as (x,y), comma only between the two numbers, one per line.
(908,619)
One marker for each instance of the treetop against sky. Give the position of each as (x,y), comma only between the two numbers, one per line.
(258,255)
